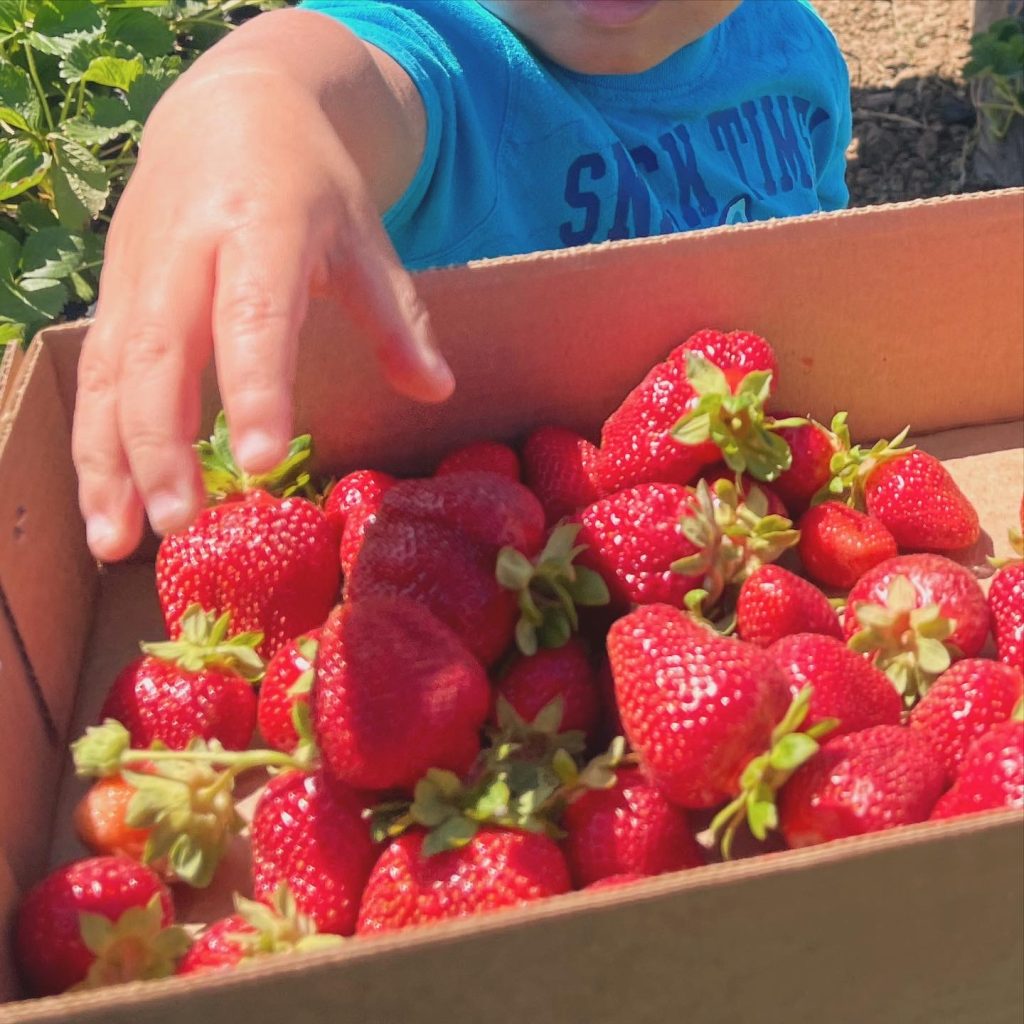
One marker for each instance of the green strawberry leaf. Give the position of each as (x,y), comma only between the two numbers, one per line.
(23,164)
(52,253)
(19,102)
(80,184)
(144,31)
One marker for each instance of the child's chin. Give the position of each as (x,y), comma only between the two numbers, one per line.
(612,13)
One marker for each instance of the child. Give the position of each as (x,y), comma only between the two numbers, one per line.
(474,128)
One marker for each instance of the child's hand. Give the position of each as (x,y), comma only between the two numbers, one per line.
(243,204)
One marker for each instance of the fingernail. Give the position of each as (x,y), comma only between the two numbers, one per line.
(168,512)
(258,451)
(100,533)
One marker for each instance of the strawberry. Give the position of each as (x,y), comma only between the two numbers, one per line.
(497,868)
(483,456)
(774,603)
(811,448)
(254,930)
(914,614)
(858,783)
(629,829)
(100,821)
(613,882)
(396,693)
(199,685)
(775,505)
(967,700)
(845,686)
(351,508)
(532,683)
(696,706)
(839,544)
(96,922)
(1006,601)
(704,400)
(271,562)
(308,833)
(287,682)
(991,774)
(558,466)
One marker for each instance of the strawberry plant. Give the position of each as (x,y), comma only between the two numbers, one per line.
(78,78)
(997,57)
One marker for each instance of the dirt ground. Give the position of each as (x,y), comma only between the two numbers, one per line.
(913,123)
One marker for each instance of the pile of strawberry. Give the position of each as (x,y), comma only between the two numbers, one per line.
(570,668)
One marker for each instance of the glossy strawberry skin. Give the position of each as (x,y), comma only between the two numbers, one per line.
(217,946)
(363,487)
(558,466)
(396,693)
(812,448)
(845,685)
(937,580)
(695,706)
(532,683)
(839,544)
(274,707)
(859,783)
(496,869)
(47,941)
(774,603)
(1006,600)
(272,563)
(483,456)
(629,829)
(157,700)
(921,504)
(308,832)
(962,705)
(636,446)
(991,775)
(100,820)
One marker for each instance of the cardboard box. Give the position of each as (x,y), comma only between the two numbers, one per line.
(911,313)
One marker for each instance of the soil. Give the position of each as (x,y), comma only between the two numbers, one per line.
(913,121)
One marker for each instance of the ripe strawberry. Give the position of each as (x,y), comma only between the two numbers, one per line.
(96,922)
(774,603)
(287,682)
(1006,600)
(991,775)
(271,562)
(845,686)
(629,829)
(100,822)
(861,782)
(532,683)
(197,686)
(839,544)
(396,693)
(558,466)
(914,614)
(613,882)
(483,456)
(696,706)
(497,868)
(351,508)
(811,446)
(308,834)
(965,702)
(642,441)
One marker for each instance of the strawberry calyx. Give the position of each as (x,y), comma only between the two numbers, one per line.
(851,466)
(135,947)
(224,478)
(1017,715)
(306,750)
(550,588)
(1017,544)
(204,643)
(277,927)
(766,774)
(909,644)
(736,422)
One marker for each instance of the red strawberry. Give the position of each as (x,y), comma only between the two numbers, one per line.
(839,544)
(532,683)
(861,782)
(845,686)
(629,829)
(396,693)
(1006,600)
(963,704)
(287,682)
(100,819)
(308,833)
(914,614)
(696,706)
(363,487)
(271,562)
(197,686)
(497,868)
(483,456)
(613,882)
(774,603)
(558,466)
(96,922)
(991,775)
(811,446)
(637,442)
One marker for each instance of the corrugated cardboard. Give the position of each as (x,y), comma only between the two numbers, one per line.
(909,313)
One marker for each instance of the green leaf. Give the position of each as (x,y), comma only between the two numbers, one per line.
(13,15)
(142,30)
(792,751)
(51,253)
(62,17)
(80,184)
(32,303)
(89,61)
(10,333)
(23,164)
(34,215)
(589,589)
(115,72)
(19,103)
(10,255)
(450,835)
(110,118)
(146,91)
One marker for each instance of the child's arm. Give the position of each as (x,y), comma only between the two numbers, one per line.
(262,176)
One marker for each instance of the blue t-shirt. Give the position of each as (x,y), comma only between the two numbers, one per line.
(749,122)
